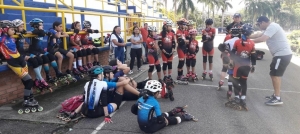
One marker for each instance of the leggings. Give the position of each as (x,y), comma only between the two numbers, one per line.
(135,53)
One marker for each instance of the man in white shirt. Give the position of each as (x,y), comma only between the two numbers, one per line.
(280,49)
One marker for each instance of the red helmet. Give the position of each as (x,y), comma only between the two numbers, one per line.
(193,32)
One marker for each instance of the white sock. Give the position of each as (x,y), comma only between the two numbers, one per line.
(278,98)
(80,62)
(243,97)
(74,65)
(210,71)
(178,120)
(237,96)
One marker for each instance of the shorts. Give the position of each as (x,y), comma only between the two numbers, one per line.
(62,51)
(241,71)
(153,126)
(190,62)
(279,64)
(180,53)
(152,60)
(97,112)
(166,59)
(128,96)
(18,66)
(205,53)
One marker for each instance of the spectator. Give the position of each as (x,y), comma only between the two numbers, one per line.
(237,22)
(144,32)
(136,48)
(118,44)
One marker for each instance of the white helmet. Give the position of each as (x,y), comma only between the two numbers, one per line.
(168,22)
(153,86)
(190,22)
(87,24)
(152,28)
(17,22)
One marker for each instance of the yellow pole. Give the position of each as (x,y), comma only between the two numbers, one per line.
(85,4)
(23,14)
(116,4)
(56,7)
(126,6)
(125,35)
(101,26)
(102,4)
(63,22)
(73,16)
(45,1)
(2,3)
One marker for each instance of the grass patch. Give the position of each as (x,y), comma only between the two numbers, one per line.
(198,37)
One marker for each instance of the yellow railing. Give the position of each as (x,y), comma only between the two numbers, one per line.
(63,18)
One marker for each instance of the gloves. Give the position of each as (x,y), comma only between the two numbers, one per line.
(96,31)
(252,69)
(32,55)
(76,31)
(107,119)
(55,45)
(89,30)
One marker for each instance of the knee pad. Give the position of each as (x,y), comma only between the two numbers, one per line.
(39,60)
(51,57)
(158,68)
(188,62)
(88,51)
(169,65)
(193,62)
(33,62)
(204,59)
(172,120)
(180,64)
(79,53)
(224,69)
(28,82)
(95,51)
(151,68)
(83,51)
(75,54)
(45,59)
(165,65)
(210,59)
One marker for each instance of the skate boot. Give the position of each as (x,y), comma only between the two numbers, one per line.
(229,93)
(82,70)
(243,104)
(49,79)
(62,78)
(94,63)
(85,68)
(89,65)
(37,85)
(45,85)
(204,75)
(235,104)
(70,76)
(220,84)
(69,116)
(77,74)
(178,110)
(182,80)
(187,117)
(30,105)
(211,76)
(169,86)
(194,77)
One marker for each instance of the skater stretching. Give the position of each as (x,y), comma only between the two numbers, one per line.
(18,65)
(243,53)
(147,105)
(181,35)
(167,46)
(208,35)
(152,53)
(192,50)
(35,60)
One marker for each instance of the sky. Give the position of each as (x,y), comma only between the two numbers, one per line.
(235,3)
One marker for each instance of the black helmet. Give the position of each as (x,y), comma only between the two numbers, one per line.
(209,21)
(247,29)
(107,69)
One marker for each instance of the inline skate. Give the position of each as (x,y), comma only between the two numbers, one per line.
(221,83)
(30,105)
(181,80)
(169,86)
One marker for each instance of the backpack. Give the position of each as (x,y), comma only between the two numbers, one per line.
(71,104)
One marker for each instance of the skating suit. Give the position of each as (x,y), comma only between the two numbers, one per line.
(152,52)
(14,60)
(228,37)
(77,39)
(146,110)
(167,45)
(208,35)
(36,47)
(181,48)
(242,58)
(231,43)
(192,50)
(85,41)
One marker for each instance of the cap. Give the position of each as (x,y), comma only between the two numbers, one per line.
(263,18)
(237,15)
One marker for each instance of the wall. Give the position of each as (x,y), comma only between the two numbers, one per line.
(11,87)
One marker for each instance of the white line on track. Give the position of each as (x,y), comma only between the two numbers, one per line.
(99,127)
(283,91)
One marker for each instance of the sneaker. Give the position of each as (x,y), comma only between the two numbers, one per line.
(270,97)
(130,72)
(274,101)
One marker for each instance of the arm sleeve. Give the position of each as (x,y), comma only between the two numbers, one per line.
(111,85)
(271,30)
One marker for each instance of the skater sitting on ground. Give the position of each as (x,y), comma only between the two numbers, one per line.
(15,61)
(35,60)
(120,69)
(243,53)
(147,105)
(192,50)
(208,35)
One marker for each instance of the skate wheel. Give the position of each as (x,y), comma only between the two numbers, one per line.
(27,110)
(238,107)
(195,120)
(33,109)
(50,90)
(20,111)
(55,84)
(40,108)
(67,119)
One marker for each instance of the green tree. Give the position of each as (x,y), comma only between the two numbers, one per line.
(225,5)
(185,6)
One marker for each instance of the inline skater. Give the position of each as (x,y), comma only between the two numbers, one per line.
(192,50)
(243,53)
(18,65)
(147,105)
(208,35)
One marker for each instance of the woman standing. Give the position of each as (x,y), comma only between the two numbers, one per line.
(136,49)
(118,44)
